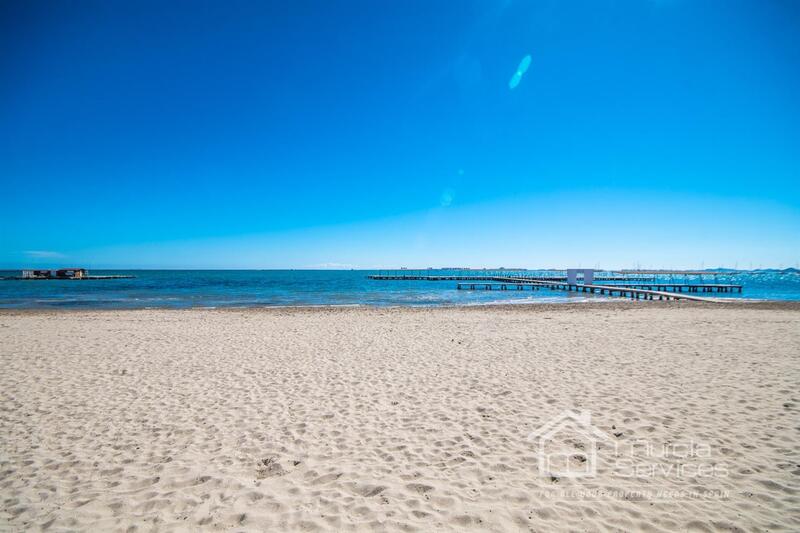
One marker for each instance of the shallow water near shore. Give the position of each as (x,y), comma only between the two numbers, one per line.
(256,288)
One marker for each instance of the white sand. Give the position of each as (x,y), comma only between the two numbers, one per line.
(393,419)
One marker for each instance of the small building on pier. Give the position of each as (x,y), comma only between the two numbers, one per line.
(35,274)
(72,273)
(61,273)
(587,273)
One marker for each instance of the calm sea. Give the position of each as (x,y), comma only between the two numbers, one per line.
(243,288)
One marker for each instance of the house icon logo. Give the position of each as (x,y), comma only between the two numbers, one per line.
(567,445)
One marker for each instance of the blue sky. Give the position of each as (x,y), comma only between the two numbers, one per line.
(373,134)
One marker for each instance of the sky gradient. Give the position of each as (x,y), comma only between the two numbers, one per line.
(378,134)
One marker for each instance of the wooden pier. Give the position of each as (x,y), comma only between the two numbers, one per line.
(610,290)
(642,284)
(629,289)
(681,287)
(420,277)
(10,278)
(63,274)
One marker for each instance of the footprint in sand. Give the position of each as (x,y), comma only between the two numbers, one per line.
(419,488)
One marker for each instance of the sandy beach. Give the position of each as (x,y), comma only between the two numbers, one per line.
(400,419)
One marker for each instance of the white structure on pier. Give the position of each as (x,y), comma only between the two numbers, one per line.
(588,275)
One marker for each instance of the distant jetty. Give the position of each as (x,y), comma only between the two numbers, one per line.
(62,274)
(636,284)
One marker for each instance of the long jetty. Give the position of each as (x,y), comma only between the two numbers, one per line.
(680,287)
(610,290)
(640,284)
(476,277)
(22,278)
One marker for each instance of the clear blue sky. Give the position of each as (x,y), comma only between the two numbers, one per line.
(379,133)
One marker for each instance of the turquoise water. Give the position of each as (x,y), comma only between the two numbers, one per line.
(243,288)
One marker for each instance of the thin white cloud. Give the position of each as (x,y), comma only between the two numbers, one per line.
(332,266)
(43,254)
